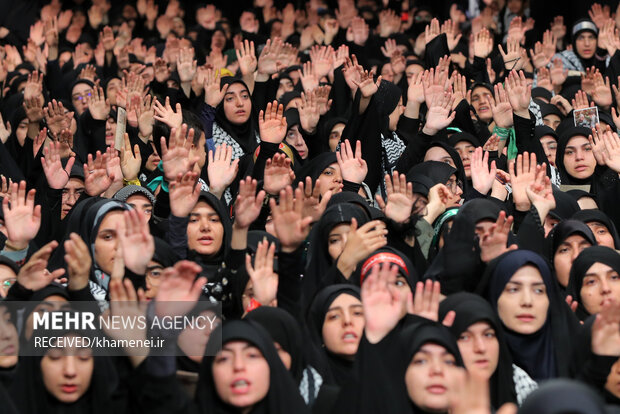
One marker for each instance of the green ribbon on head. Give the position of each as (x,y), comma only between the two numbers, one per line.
(158,181)
(508,134)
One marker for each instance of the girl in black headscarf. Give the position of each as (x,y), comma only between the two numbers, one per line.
(519,285)
(441,173)
(603,228)
(335,325)
(483,346)
(594,279)
(65,380)
(565,242)
(271,388)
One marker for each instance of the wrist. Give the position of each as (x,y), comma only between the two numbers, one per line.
(15,245)
(522,206)
(523,113)
(345,267)
(429,131)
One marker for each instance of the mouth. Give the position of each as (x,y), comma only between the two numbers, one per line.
(205,240)
(482,362)
(240,386)
(436,389)
(349,337)
(9,350)
(240,112)
(526,317)
(69,388)
(483,108)
(581,168)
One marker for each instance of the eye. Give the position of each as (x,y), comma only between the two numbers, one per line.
(464,337)
(490,334)
(450,362)
(399,283)
(332,316)
(569,152)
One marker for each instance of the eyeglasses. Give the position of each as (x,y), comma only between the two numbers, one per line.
(81,96)
(419,205)
(453,184)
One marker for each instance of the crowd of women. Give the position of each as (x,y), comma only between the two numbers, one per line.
(401,206)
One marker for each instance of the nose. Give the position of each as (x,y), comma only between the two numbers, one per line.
(579,155)
(436,367)
(204,224)
(605,289)
(479,345)
(526,298)
(238,363)
(238,102)
(576,251)
(69,366)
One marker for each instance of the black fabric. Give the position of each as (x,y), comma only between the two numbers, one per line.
(470,309)
(244,134)
(284,330)
(545,354)
(333,369)
(581,265)
(438,172)
(565,137)
(565,205)
(564,230)
(282,397)
(391,257)
(563,396)
(315,167)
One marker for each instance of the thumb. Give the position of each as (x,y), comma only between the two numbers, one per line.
(353,225)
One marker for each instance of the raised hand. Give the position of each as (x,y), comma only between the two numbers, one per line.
(309,114)
(79,261)
(549,45)
(248,204)
(314,203)
(599,14)
(268,59)
(171,117)
(581,101)
(382,302)
(322,58)
(130,161)
(34,87)
(524,176)
(359,31)
(176,154)
(611,155)
(264,279)
(290,225)
(145,113)
(184,193)
(558,73)
(440,114)
(605,332)
(352,72)
(459,86)
(278,174)
(512,55)
(602,91)
(309,79)
(34,274)
(272,123)
(493,241)
(451,29)
(213,92)
(426,300)
(22,218)
(519,93)
(33,109)
(399,198)
(481,175)
(361,242)
(431,31)
(435,82)
(483,44)
(544,79)
(96,178)
(186,65)
(587,80)
(540,193)
(55,117)
(352,166)
(57,176)
(246,56)
(501,108)
(136,242)
(367,85)
(179,289)
(99,106)
(221,169)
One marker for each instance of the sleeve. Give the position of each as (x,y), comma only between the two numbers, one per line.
(177,235)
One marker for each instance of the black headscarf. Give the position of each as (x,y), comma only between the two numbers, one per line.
(333,369)
(284,330)
(326,130)
(456,158)
(315,167)
(439,172)
(244,134)
(547,353)
(565,137)
(31,397)
(592,215)
(283,396)
(562,396)
(583,262)
(387,256)
(470,309)
(565,205)
(564,230)
(580,26)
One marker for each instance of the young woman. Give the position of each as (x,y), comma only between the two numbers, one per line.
(566,241)
(594,279)
(601,225)
(482,344)
(335,326)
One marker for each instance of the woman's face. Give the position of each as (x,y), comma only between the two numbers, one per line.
(80,96)
(586,45)
(524,303)
(337,240)
(205,232)
(465,150)
(566,253)
(178,26)
(7,279)
(331,179)
(602,234)
(456,190)
(142,204)
(241,374)
(9,341)
(286,358)
(552,121)
(67,373)
(218,40)
(48,304)
(479,100)
(296,140)
(344,326)
(578,158)
(22,130)
(439,154)
(387,72)
(110,131)
(515,6)
(429,376)
(413,70)
(334,136)
(550,145)
(107,239)
(111,89)
(601,284)
(613,380)
(395,115)
(237,104)
(479,349)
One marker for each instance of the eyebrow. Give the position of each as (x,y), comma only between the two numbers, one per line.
(521,284)
(574,147)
